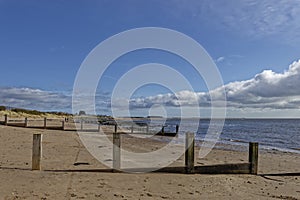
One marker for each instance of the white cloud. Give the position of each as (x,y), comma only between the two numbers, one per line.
(220,59)
(34,99)
(43,100)
(266,90)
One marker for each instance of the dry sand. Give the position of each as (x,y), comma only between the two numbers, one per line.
(61,179)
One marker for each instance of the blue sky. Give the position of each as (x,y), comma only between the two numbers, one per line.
(43,43)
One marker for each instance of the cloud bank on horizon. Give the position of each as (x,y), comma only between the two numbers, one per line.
(266,90)
(31,98)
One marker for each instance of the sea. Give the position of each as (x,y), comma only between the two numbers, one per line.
(271,134)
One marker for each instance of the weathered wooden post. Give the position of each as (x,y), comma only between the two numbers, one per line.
(253,157)
(26,122)
(177,128)
(132,128)
(45,122)
(36,152)
(116,128)
(116,150)
(163,130)
(99,126)
(81,124)
(5,120)
(147,128)
(189,152)
(63,125)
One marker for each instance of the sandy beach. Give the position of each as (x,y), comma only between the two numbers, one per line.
(60,179)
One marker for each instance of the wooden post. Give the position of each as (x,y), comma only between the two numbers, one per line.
(189,152)
(147,128)
(177,129)
(5,120)
(45,122)
(26,121)
(116,128)
(36,152)
(99,126)
(132,128)
(163,130)
(63,125)
(253,157)
(81,124)
(116,151)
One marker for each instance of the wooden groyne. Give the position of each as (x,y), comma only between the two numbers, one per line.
(35,123)
(189,167)
(91,125)
(250,167)
(145,128)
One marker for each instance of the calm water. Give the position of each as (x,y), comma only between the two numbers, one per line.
(279,134)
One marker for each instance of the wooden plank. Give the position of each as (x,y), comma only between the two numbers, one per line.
(116,151)
(54,128)
(253,157)
(167,134)
(36,152)
(163,170)
(15,121)
(189,152)
(239,168)
(16,124)
(172,170)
